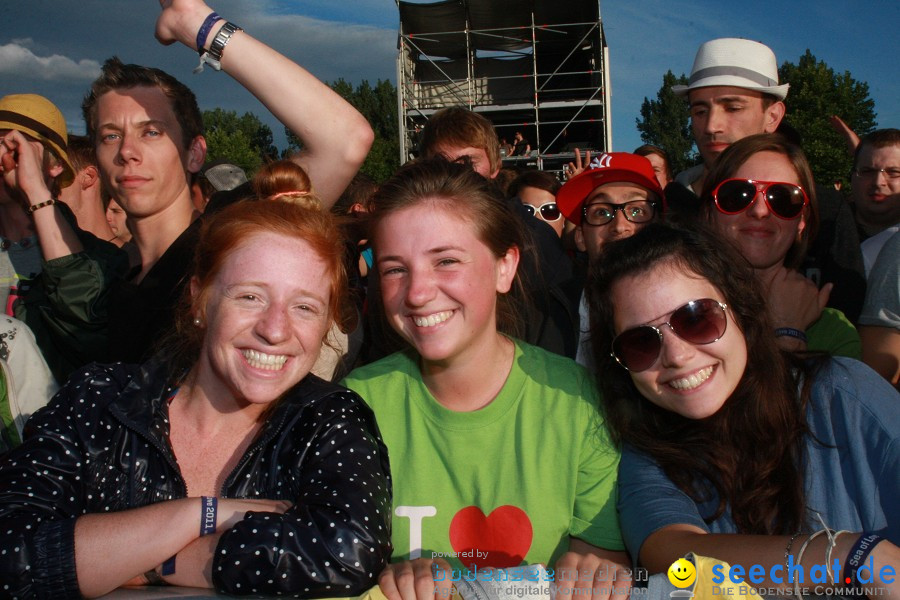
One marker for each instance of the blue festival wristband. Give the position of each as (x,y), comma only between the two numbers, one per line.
(168,567)
(791,332)
(858,554)
(211,20)
(209,506)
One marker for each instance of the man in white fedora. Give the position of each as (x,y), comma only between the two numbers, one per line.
(733,92)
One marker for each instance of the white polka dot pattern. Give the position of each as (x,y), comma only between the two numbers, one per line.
(101,445)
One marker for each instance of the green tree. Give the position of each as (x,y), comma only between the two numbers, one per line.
(241,139)
(378,105)
(235,147)
(665,122)
(816,93)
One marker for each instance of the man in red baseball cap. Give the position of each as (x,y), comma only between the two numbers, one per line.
(610,201)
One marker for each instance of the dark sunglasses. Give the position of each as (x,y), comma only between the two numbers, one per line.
(549,211)
(785,200)
(698,322)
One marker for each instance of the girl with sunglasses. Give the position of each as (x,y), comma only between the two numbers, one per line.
(536,190)
(731,446)
(496,446)
(760,196)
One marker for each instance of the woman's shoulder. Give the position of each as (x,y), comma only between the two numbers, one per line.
(546,368)
(552,361)
(852,376)
(327,399)
(87,394)
(395,366)
(851,386)
(105,381)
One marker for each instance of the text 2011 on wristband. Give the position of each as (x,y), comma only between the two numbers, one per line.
(209,506)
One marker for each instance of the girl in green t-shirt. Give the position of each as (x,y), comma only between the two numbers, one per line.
(447,252)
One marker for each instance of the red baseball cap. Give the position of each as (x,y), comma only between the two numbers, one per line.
(610,167)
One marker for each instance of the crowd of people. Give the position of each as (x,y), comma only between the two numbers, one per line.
(304,383)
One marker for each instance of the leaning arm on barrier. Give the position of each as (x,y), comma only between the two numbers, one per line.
(596,573)
(771,553)
(417,579)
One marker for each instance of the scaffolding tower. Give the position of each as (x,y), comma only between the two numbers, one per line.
(536,66)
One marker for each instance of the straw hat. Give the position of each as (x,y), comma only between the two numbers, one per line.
(735,62)
(39,118)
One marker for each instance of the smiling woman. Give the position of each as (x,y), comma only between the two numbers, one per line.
(222,463)
(760,196)
(730,445)
(493,441)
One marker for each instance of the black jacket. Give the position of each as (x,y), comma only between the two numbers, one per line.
(102,445)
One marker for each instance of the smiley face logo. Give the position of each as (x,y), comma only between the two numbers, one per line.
(682,573)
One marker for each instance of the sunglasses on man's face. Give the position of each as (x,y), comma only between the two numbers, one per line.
(785,200)
(549,211)
(698,322)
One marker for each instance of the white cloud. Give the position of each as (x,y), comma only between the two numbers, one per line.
(330,49)
(16,60)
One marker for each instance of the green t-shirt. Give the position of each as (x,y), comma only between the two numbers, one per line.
(833,333)
(503,485)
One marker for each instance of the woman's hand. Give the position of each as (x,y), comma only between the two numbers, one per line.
(416,580)
(794,301)
(885,554)
(232,510)
(22,166)
(590,576)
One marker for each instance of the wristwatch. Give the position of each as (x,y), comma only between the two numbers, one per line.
(214,56)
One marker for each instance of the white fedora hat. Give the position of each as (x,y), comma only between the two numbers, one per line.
(735,62)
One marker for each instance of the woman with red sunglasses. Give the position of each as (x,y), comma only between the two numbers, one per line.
(760,196)
(732,447)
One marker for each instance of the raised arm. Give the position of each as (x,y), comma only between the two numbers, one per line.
(22,166)
(336,138)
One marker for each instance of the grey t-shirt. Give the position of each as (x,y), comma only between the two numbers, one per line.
(882,306)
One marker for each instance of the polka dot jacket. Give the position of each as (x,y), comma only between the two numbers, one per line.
(102,445)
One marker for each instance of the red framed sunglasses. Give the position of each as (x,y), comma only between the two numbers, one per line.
(785,200)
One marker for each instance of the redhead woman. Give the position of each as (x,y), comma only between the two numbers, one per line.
(760,196)
(224,464)
(497,448)
(734,448)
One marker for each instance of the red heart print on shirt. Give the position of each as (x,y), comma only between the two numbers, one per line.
(505,535)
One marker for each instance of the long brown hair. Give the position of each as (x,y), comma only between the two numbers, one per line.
(738,153)
(748,454)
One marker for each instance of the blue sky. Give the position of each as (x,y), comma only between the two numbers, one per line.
(55,47)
